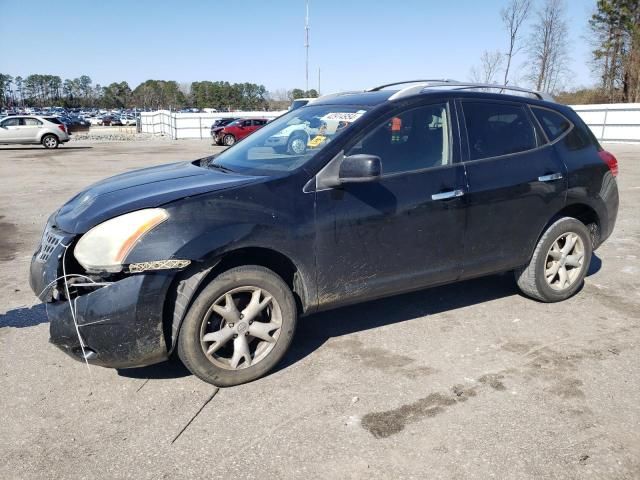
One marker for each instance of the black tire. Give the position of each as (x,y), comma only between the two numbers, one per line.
(531,277)
(292,143)
(280,150)
(228,140)
(190,347)
(50,141)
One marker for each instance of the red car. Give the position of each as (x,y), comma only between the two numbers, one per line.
(239,129)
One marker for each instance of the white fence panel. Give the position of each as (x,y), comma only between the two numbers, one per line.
(190,125)
(617,122)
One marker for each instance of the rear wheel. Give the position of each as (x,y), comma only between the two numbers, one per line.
(228,140)
(50,141)
(559,263)
(239,327)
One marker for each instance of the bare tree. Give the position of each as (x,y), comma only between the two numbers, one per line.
(513,16)
(490,65)
(548,47)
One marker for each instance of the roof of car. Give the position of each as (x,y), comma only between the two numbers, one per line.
(448,88)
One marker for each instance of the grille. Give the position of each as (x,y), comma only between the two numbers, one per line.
(49,243)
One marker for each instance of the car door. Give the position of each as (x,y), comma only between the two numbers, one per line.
(516,184)
(30,130)
(247,128)
(9,130)
(404,231)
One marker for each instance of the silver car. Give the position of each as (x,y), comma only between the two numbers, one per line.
(30,129)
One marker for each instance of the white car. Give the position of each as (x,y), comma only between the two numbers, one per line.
(31,130)
(128,120)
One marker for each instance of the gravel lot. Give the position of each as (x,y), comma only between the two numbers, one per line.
(463,381)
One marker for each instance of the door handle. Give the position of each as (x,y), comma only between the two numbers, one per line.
(446,195)
(550,178)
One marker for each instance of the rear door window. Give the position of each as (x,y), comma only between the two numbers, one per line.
(32,122)
(553,123)
(496,129)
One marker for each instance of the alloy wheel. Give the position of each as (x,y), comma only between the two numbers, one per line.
(565,261)
(241,328)
(298,145)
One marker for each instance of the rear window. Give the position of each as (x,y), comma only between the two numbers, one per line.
(32,122)
(53,120)
(554,124)
(496,129)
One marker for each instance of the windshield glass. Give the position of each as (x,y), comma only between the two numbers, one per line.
(289,141)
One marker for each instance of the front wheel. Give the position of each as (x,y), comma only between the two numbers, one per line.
(297,144)
(229,140)
(559,263)
(50,141)
(239,327)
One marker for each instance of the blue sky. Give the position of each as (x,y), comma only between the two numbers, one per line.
(356,43)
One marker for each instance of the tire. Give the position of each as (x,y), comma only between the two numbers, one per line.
(297,144)
(542,278)
(50,141)
(228,140)
(280,150)
(202,324)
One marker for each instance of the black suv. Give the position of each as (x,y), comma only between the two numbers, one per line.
(388,190)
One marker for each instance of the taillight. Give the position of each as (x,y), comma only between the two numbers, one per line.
(610,160)
(61,127)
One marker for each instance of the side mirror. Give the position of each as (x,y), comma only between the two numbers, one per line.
(360,168)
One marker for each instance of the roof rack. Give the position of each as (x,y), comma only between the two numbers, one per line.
(455,85)
(437,80)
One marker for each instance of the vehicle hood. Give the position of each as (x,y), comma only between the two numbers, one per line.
(145,188)
(285,132)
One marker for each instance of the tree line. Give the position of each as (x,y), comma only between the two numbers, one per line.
(537,31)
(51,90)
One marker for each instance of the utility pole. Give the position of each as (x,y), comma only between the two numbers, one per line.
(306,46)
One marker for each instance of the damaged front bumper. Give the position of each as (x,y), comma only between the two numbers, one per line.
(121,323)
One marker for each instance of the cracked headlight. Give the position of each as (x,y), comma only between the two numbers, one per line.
(105,247)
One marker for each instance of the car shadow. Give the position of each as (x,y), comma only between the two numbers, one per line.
(172,368)
(316,329)
(595,265)
(24,317)
(61,149)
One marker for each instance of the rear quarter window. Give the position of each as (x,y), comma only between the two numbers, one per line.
(553,123)
(496,129)
(53,120)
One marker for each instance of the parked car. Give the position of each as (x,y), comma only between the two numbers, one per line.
(128,120)
(417,186)
(239,129)
(218,126)
(27,130)
(74,123)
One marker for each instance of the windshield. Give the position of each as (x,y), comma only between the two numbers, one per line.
(289,141)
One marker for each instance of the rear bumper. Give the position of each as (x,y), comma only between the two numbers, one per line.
(608,206)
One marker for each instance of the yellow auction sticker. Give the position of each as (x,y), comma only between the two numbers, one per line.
(317,140)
